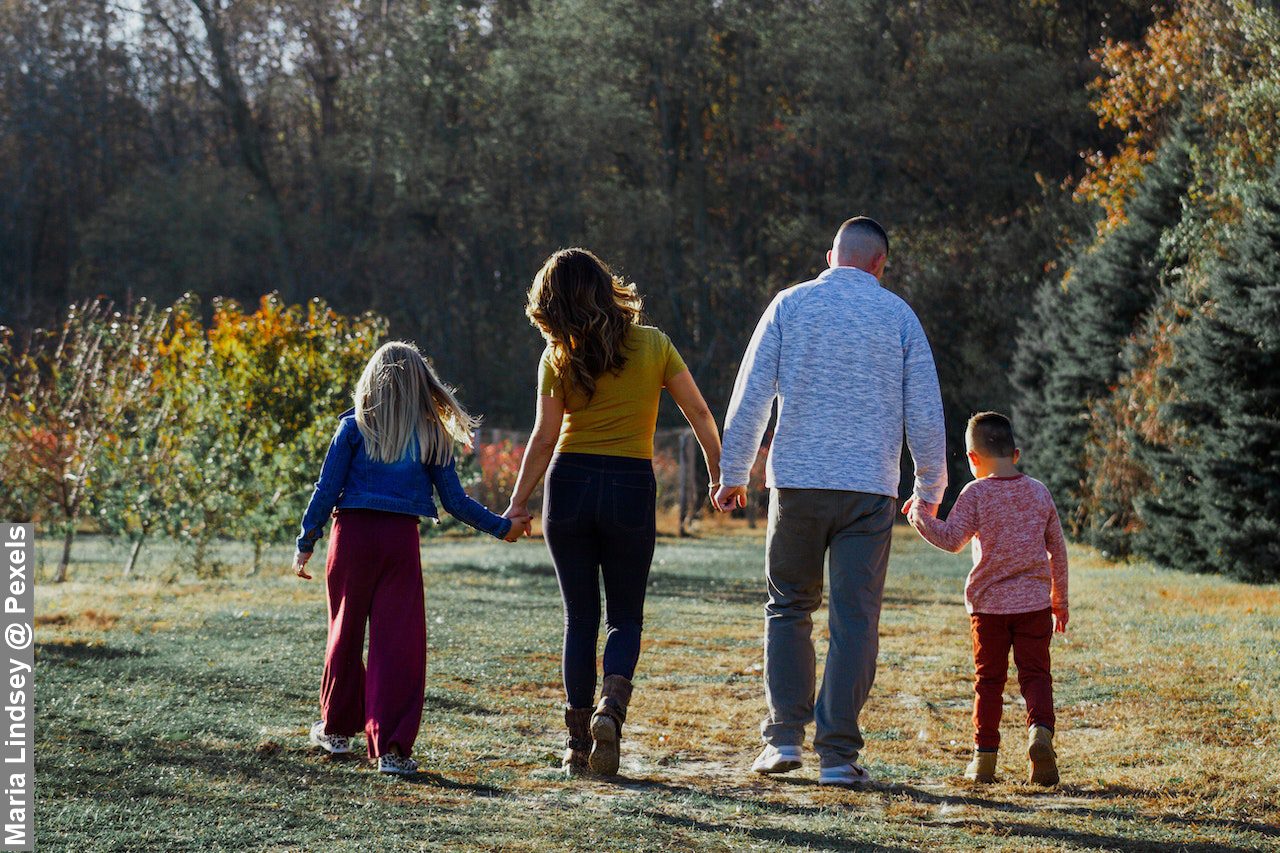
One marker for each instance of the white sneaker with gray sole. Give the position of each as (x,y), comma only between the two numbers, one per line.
(777,759)
(336,744)
(844,774)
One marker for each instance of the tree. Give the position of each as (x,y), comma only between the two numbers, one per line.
(1072,356)
(1227,360)
(78,390)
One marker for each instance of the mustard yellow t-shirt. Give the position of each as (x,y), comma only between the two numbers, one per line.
(621,416)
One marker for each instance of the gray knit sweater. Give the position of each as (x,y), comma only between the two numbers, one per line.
(852,372)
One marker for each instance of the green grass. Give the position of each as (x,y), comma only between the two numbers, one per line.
(172,715)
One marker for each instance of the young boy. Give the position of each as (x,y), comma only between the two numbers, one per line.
(1016,594)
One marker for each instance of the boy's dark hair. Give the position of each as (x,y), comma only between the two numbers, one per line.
(991,434)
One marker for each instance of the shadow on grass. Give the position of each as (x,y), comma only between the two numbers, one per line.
(82,651)
(1120,792)
(1111,842)
(788,837)
(439,702)
(1085,839)
(435,780)
(708,588)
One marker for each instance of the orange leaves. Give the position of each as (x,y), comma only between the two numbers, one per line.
(1223,57)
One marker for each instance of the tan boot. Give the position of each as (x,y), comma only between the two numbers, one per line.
(982,768)
(577,744)
(606,725)
(1044,761)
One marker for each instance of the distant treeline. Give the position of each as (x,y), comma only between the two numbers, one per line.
(421,159)
(1064,185)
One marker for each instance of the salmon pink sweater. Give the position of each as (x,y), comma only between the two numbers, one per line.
(1019,556)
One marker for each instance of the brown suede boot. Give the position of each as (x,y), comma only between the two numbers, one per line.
(1043,760)
(577,744)
(606,724)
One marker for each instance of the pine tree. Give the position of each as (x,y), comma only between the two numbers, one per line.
(1227,367)
(1074,356)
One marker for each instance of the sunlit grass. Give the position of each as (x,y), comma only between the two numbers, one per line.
(173,713)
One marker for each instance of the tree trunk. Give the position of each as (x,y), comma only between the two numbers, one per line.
(257,558)
(686,498)
(133,553)
(68,536)
(250,144)
(201,553)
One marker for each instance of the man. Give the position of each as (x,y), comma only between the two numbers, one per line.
(851,370)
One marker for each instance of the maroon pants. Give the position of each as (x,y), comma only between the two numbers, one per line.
(374,577)
(993,635)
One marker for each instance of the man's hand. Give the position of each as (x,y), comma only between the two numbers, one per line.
(913,507)
(1060,620)
(300,564)
(729,497)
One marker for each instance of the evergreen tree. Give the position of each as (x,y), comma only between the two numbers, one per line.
(1073,355)
(1227,367)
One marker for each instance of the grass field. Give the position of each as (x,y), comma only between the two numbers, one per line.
(172,715)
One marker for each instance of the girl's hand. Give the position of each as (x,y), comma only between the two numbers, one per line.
(300,564)
(519,527)
(521,521)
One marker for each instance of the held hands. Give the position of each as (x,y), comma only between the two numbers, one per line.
(913,508)
(521,521)
(1060,620)
(725,498)
(300,564)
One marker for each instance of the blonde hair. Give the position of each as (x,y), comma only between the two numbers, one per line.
(399,400)
(584,311)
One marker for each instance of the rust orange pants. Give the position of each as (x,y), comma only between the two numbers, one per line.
(994,634)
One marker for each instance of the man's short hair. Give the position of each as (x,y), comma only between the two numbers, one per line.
(991,434)
(864,227)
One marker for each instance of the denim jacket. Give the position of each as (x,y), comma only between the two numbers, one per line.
(351,480)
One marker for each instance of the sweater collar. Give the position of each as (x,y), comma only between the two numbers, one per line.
(848,274)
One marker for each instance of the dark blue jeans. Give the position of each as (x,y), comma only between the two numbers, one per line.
(598,520)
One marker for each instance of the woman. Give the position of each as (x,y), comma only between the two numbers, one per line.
(600,380)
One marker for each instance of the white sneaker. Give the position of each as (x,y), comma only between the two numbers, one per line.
(397,765)
(337,744)
(844,774)
(777,759)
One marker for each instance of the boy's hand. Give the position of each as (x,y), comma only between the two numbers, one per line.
(1060,620)
(300,564)
(913,508)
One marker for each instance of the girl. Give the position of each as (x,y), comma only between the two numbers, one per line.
(387,454)
(600,380)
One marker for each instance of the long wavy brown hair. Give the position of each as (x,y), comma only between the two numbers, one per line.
(584,311)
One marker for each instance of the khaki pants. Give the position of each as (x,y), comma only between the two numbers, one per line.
(804,525)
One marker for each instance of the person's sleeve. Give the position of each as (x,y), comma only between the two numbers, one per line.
(1056,546)
(333,476)
(548,381)
(954,533)
(461,506)
(673,364)
(752,400)
(922,408)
